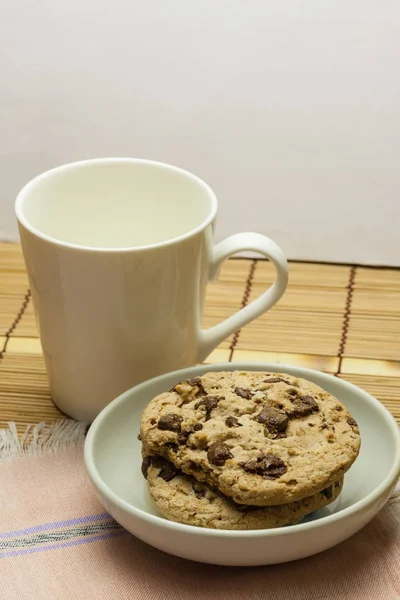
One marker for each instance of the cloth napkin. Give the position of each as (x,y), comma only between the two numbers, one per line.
(57,542)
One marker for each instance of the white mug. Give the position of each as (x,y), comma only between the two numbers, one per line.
(118,254)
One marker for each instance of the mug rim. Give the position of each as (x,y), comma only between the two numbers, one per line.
(29,187)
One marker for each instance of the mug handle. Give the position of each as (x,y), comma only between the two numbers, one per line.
(208,339)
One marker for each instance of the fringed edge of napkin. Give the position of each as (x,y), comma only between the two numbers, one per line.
(41,438)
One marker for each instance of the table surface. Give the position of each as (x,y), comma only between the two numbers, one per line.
(343,320)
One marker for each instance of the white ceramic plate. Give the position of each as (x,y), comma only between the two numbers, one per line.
(113,459)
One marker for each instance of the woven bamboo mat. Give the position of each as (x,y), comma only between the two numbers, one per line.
(339,319)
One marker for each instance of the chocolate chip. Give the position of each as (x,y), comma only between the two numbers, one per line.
(273,419)
(199,490)
(352,422)
(196,381)
(303,406)
(323,426)
(232,422)
(194,466)
(292,392)
(139,437)
(168,472)
(146,462)
(167,469)
(172,446)
(209,403)
(310,401)
(243,393)
(277,380)
(218,453)
(338,408)
(268,466)
(170,422)
(198,427)
(328,492)
(183,437)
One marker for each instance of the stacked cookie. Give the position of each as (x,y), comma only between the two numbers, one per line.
(245,450)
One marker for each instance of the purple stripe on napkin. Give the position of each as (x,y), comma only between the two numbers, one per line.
(55,525)
(63,544)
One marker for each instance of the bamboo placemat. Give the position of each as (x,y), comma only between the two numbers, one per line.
(343,320)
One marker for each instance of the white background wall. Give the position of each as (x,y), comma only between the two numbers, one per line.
(290,110)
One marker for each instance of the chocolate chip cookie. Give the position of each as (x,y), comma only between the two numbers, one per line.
(182,498)
(260,438)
